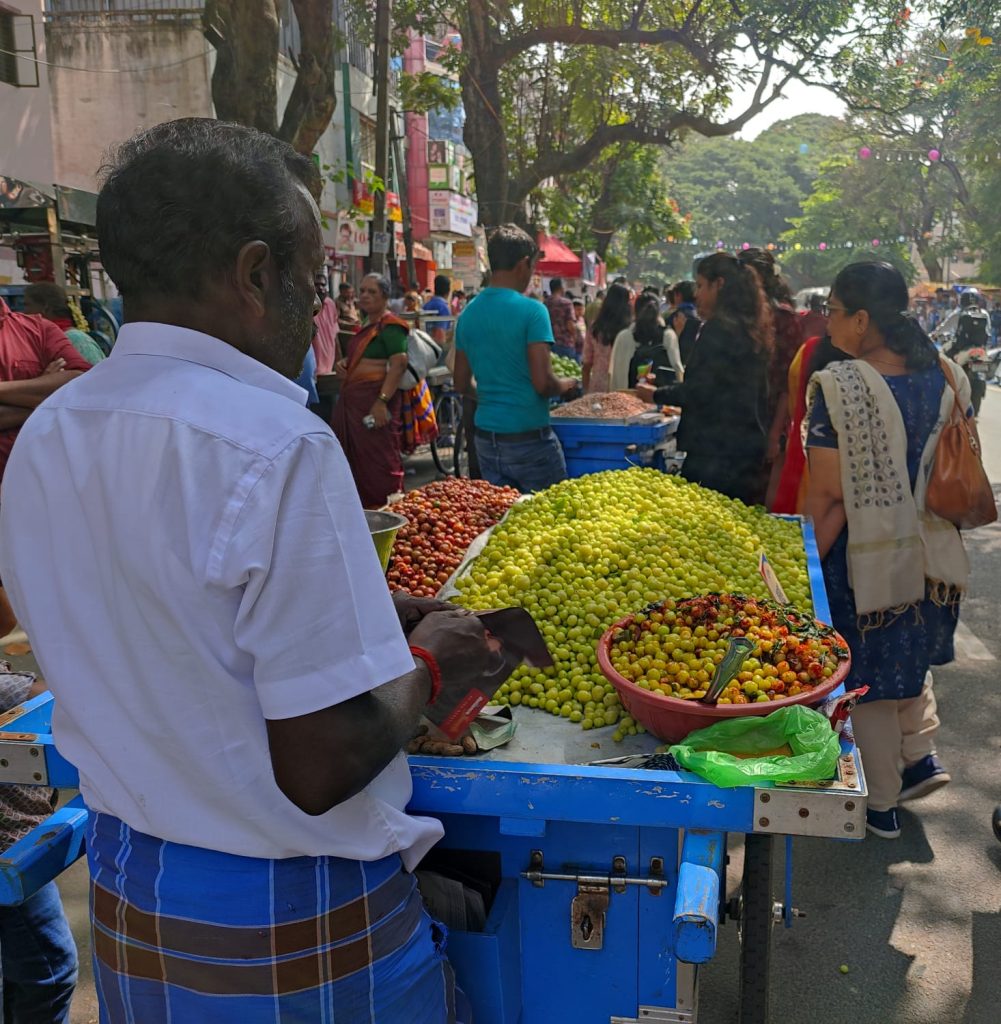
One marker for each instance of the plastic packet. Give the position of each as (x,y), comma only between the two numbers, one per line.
(514,639)
(740,751)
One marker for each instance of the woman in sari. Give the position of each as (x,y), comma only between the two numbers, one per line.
(814,355)
(371,373)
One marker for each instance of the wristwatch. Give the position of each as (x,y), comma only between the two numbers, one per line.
(383,398)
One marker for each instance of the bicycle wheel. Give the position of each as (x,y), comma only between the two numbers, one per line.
(448,413)
(460,460)
(756,922)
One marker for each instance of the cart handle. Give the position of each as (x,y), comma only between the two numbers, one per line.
(696,906)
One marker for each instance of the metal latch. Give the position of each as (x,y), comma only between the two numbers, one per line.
(588,907)
(587,916)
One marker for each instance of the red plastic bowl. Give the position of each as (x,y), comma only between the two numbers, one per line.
(671,719)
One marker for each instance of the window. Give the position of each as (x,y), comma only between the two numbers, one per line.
(18,66)
(366,142)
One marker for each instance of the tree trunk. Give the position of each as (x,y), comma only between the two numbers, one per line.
(929,216)
(604,232)
(484,132)
(245,36)
(932,264)
(314,97)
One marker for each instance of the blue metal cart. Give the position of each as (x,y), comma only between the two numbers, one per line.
(606,884)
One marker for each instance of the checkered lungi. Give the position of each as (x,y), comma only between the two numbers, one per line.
(183,935)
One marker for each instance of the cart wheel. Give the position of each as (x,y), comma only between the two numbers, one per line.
(996,822)
(756,921)
(448,413)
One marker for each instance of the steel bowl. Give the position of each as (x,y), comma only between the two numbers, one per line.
(384,526)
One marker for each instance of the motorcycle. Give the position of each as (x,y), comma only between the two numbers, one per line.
(980,366)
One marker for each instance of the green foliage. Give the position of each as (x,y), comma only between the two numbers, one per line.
(622,196)
(737,190)
(874,212)
(426,91)
(569,79)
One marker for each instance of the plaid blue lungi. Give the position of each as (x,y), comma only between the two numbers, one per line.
(183,935)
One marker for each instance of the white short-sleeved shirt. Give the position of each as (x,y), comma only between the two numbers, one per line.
(184,543)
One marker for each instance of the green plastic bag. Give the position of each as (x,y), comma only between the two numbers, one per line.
(815,749)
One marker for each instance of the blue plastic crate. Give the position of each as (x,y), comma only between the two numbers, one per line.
(585,433)
(582,465)
(593,446)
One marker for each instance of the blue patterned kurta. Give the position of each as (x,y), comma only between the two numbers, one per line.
(892,660)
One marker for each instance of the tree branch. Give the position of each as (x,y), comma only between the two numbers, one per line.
(610,38)
(552,164)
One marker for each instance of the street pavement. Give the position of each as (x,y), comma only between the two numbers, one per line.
(916,920)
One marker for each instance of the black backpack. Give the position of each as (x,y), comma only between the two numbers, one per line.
(655,356)
(972,331)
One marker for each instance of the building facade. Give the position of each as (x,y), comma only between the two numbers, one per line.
(78,77)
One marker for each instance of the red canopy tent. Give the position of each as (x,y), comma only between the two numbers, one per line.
(558,261)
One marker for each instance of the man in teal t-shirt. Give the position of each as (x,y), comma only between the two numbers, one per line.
(504,340)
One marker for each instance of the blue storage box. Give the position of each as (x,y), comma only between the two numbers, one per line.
(591,446)
(488,964)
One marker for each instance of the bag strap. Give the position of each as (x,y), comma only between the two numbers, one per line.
(959,410)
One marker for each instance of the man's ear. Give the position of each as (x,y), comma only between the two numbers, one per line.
(254,273)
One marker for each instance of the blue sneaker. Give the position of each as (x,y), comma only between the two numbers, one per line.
(923,778)
(884,824)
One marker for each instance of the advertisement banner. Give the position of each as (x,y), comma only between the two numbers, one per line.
(363,200)
(451,213)
(352,236)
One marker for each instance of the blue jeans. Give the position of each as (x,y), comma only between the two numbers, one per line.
(39,960)
(528,465)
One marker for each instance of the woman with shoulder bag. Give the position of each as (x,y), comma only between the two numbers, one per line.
(895,572)
(367,418)
(649,339)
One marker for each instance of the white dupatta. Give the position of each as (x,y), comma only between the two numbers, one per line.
(896,548)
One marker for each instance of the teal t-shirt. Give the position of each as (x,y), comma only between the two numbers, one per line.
(494,331)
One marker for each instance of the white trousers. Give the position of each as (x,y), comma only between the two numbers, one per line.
(891,735)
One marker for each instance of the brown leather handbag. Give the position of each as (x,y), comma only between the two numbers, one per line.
(959,489)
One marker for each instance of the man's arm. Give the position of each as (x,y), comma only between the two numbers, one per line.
(324,758)
(462,374)
(322,632)
(11,417)
(540,364)
(27,394)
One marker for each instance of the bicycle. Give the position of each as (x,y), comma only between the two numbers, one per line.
(448,449)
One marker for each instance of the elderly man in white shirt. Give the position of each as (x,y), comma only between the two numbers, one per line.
(185,545)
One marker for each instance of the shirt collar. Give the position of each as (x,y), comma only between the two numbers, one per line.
(172,342)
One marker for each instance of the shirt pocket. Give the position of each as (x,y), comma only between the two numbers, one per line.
(25,369)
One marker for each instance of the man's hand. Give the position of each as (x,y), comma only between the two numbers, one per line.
(645,392)
(411,610)
(458,642)
(56,366)
(569,388)
(341,368)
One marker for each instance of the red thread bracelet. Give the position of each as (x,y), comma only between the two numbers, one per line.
(433,670)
